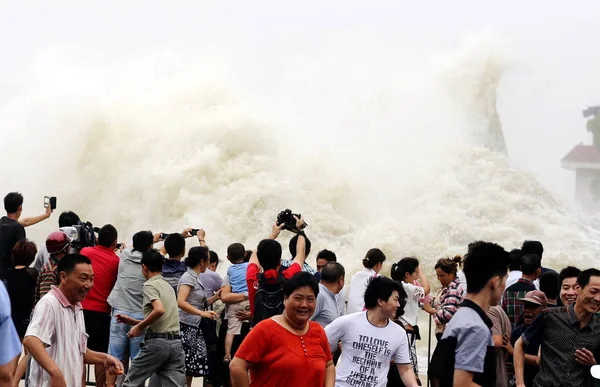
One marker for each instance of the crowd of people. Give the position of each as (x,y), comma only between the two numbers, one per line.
(165,316)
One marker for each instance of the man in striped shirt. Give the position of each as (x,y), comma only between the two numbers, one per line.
(57,244)
(531,266)
(56,336)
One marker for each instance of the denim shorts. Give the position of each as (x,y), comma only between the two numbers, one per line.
(119,343)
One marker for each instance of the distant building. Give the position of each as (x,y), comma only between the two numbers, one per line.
(585,161)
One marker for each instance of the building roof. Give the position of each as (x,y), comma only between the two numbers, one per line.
(582,157)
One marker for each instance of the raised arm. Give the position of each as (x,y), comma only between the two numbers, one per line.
(202,237)
(26,222)
(424,282)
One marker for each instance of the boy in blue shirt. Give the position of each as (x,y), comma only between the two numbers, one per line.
(236,274)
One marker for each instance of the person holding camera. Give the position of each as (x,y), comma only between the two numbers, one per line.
(12,228)
(96,308)
(162,352)
(264,277)
(126,298)
(292,247)
(174,246)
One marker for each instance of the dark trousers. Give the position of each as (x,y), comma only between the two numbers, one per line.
(221,371)
(161,356)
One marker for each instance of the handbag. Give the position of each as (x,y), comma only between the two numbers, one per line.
(209,329)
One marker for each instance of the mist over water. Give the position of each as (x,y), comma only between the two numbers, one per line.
(375,150)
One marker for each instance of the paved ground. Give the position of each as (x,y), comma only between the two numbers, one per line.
(196,383)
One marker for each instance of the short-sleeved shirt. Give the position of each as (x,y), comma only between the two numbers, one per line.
(47,278)
(61,327)
(212,282)
(356,290)
(326,309)
(252,279)
(279,357)
(411,310)
(501,326)
(473,337)
(367,350)
(11,231)
(11,345)
(106,267)
(156,288)
(196,297)
(237,277)
(510,299)
(559,332)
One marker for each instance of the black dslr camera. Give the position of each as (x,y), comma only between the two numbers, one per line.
(286,217)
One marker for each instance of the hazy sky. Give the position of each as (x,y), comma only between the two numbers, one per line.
(554,77)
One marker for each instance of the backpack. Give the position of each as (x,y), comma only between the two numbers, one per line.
(441,368)
(268,300)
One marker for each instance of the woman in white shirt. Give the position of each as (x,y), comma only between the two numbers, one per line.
(407,272)
(373,264)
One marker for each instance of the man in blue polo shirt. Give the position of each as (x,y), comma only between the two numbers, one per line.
(332,282)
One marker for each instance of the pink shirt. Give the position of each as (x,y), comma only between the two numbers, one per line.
(60,326)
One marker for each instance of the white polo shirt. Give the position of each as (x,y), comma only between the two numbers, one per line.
(60,326)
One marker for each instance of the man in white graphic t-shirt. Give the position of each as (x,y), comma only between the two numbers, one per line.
(371,340)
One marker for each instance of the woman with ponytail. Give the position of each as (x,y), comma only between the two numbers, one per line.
(193,304)
(407,271)
(449,297)
(373,263)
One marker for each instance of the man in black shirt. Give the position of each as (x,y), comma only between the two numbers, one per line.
(569,337)
(12,229)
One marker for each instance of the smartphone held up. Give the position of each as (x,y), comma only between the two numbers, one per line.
(50,202)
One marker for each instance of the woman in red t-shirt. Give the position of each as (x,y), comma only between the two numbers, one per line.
(288,349)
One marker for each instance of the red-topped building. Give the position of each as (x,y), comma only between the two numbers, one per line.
(585,161)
